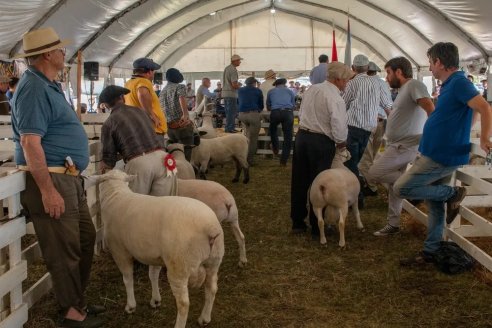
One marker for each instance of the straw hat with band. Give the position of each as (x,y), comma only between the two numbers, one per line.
(40,41)
(270,74)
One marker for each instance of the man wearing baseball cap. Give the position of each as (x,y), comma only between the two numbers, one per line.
(142,94)
(129,131)
(363,98)
(229,92)
(52,147)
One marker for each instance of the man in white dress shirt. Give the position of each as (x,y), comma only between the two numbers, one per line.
(322,128)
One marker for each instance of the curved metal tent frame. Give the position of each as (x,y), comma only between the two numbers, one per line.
(178,16)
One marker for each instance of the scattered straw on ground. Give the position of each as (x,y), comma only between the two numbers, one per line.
(292,282)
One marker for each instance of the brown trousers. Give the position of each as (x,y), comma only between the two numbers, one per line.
(67,244)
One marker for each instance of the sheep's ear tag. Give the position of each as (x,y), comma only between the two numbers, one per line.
(170,164)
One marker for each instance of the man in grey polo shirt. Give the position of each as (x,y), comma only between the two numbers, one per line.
(229,93)
(47,131)
(403,132)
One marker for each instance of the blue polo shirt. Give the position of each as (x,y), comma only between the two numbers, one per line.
(446,135)
(280,97)
(40,108)
(250,99)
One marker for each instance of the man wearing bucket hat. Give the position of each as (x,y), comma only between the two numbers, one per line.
(42,122)
(229,92)
(267,85)
(143,96)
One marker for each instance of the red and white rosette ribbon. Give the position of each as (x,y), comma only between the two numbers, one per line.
(170,164)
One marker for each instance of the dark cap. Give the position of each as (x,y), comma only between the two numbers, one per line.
(111,93)
(280,81)
(250,80)
(146,63)
(173,75)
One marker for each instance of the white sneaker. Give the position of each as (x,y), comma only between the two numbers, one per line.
(387,230)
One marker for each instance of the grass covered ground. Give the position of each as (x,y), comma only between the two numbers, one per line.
(291,281)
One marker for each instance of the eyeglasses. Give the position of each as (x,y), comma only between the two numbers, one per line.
(62,50)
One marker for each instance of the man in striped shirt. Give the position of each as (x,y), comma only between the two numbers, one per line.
(362,97)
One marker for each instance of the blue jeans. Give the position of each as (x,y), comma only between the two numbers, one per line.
(286,118)
(230,105)
(356,144)
(427,180)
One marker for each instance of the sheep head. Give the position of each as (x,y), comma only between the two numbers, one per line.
(341,156)
(111,175)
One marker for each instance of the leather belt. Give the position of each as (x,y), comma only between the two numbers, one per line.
(142,154)
(54,169)
(310,131)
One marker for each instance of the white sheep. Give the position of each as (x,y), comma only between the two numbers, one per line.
(336,189)
(185,169)
(221,201)
(181,233)
(221,150)
(207,125)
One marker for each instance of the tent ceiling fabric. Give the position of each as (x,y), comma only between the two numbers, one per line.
(115,32)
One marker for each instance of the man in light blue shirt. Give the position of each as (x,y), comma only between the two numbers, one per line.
(281,102)
(319,73)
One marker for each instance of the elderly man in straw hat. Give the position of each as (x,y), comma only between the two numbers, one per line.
(322,128)
(52,147)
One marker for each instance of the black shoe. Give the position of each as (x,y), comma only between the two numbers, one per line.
(231,131)
(94,309)
(360,203)
(88,322)
(453,204)
(369,192)
(420,259)
(298,230)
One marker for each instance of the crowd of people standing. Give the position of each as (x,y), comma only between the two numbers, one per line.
(343,108)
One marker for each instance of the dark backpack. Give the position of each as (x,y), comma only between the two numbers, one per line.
(451,259)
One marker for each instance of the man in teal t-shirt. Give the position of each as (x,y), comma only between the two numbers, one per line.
(445,145)
(47,131)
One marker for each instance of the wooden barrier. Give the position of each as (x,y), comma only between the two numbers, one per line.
(13,269)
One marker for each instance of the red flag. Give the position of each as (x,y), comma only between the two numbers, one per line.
(334,55)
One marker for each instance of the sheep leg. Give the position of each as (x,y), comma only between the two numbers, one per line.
(240,241)
(125,264)
(154,281)
(341,228)
(238,171)
(355,210)
(318,211)
(179,288)
(210,291)
(203,170)
(246,174)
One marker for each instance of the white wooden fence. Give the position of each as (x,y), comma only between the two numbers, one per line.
(479,194)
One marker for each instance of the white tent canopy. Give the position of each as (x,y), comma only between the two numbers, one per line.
(184,34)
